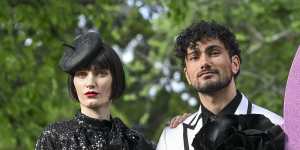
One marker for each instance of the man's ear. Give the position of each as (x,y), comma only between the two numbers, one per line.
(187,76)
(235,64)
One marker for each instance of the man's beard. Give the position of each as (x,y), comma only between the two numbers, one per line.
(214,86)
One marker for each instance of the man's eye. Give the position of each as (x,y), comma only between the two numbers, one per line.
(193,57)
(214,53)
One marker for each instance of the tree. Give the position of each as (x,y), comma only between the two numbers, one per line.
(33,90)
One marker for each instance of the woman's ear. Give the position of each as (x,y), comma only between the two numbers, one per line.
(235,64)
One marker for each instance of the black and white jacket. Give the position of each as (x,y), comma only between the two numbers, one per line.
(181,137)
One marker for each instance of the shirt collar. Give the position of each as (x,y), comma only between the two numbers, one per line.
(229,109)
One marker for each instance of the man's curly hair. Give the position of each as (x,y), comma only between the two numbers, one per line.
(204,30)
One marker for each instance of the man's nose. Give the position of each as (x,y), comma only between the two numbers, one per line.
(204,62)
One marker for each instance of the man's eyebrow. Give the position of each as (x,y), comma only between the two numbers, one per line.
(192,52)
(212,47)
(209,48)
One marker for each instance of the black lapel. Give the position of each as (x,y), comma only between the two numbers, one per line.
(189,126)
(249,110)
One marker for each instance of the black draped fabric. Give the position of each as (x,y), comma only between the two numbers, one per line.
(84,132)
(240,132)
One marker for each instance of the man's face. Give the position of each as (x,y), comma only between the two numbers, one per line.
(209,67)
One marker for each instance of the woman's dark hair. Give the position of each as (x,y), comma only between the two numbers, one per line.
(107,58)
(204,30)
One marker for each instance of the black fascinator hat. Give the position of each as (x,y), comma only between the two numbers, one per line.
(82,51)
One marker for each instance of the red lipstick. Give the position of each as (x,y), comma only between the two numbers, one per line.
(91,94)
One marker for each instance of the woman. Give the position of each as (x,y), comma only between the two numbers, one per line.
(96,78)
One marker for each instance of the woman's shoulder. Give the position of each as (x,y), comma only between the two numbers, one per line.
(54,131)
(60,127)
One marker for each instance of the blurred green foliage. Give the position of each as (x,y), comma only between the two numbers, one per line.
(33,90)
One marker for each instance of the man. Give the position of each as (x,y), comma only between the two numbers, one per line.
(211,58)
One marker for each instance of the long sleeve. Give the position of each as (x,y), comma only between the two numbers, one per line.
(45,142)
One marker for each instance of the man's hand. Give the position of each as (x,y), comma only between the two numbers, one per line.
(175,121)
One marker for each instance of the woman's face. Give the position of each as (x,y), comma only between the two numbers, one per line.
(93,87)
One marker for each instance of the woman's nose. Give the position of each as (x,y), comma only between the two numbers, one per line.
(90,83)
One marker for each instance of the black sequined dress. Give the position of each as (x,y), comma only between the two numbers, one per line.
(86,133)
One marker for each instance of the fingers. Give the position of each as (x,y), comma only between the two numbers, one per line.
(175,121)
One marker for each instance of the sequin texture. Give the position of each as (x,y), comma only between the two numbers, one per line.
(86,133)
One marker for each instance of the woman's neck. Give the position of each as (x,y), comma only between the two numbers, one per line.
(100,113)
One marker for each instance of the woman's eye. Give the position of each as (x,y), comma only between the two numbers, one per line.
(102,73)
(81,74)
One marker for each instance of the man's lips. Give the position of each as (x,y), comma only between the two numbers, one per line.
(91,94)
(200,74)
